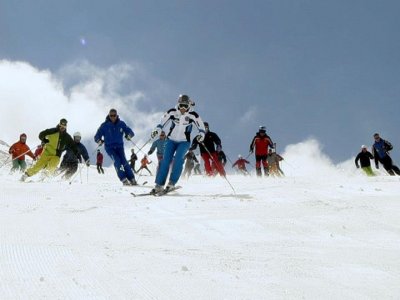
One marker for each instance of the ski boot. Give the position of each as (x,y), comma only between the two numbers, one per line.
(157,189)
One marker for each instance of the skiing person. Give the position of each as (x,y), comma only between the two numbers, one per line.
(39,150)
(190,159)
(380,151)
(111,133)
(241,165)
(99,162)
(364,157)
(260,144)
(132,160)
(273,160)
(182,120)
(18,151)
(69,163)
(159,144)
(57,140)
(143,164)
(208,151)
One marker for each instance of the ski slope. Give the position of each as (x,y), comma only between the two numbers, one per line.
(321,232)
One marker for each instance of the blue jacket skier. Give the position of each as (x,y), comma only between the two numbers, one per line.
(71,159)
(111,133)
(380,151)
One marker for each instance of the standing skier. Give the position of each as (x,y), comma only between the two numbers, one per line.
(380,151)
(273,160)
(364,157)
(57,140)
(99,162)
(182,120)
(112,130)
(18,151)
(208,151)
(143,165)
(260,144)
(159,144)
(132,160)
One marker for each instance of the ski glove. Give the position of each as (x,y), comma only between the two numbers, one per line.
(100,142)
(128,137)
(45,141)
(200,137)
(154,133)
(88,163)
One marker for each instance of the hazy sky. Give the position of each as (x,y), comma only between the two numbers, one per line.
(323,69)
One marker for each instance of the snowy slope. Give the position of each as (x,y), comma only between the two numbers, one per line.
(333,234)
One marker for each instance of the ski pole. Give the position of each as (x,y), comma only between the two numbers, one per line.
(248,155)
(76,173)
(229,159)
(140,149)
(212,158)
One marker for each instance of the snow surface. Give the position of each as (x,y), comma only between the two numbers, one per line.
(321,232)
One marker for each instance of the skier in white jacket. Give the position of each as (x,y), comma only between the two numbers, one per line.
(182,119)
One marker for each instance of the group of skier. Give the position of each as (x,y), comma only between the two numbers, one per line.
(380,154)
(173,145)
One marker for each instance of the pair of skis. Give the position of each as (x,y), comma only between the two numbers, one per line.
(161,193)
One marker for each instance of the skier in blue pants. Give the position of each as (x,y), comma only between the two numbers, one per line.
(111,133)
(182,120)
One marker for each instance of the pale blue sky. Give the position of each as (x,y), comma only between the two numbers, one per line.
(323,69)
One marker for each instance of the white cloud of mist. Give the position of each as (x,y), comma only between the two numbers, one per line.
(307,159)
(33,100)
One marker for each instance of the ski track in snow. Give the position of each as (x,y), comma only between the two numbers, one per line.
(277,238)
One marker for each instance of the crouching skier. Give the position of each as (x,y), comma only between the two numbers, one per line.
(56,140)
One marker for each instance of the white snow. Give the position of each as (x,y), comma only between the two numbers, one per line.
(321,232)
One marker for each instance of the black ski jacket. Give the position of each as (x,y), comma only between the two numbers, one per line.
(364,158)
(210,140)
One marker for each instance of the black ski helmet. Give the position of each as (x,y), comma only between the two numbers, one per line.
(184,99)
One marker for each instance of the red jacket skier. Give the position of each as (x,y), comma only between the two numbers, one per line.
(18,151)
(209,153)
(260,144)
(241,164)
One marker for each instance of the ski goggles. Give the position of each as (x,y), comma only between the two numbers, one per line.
(183,105)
